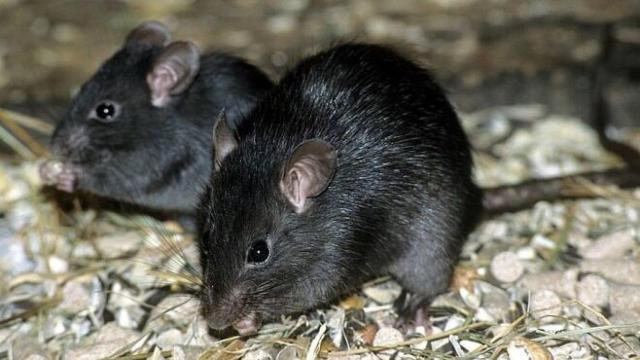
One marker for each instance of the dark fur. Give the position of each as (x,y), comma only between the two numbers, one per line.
(402,200)
(155,157)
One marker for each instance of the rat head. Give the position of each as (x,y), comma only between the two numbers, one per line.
(262,248)
(125,116)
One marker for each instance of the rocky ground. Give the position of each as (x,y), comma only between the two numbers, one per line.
(560,280)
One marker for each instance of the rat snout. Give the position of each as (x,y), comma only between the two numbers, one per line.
(69,141)
(228,311)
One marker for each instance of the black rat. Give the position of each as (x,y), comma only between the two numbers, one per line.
(139,130)
(354,166)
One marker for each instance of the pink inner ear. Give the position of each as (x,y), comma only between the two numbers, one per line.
(160,82)
(296,187)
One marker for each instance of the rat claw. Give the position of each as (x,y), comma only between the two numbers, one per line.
(409,321)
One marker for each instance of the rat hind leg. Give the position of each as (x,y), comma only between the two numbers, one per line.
(423,276)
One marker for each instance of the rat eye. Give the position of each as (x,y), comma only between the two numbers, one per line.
(259,252)
(106,111)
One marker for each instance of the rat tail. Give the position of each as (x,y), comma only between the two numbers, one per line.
(509,198)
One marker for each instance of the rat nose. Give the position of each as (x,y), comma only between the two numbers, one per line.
(68,141)
(221,313)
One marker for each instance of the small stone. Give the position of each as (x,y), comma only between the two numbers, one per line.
(622,271)
(84,250)
(624,298)
(257,355)
(470,345)
(526,253)
(542,242)
(525,349)
(368,334)
(545,305)
(387,336)
(495,301)
(180,310)
(463,277)
(76,297)
(281,24)
(593,290)
(129,317)
(565,351)
(613,245)
(626,317)
(104,343)
(506,267)
(382,294)
(168,339)
(178,353)
(437,344)
(20,215)
(561,282)
(54,326)
(289,353)
(58,265)
(118,245)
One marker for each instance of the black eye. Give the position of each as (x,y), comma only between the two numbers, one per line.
(106,111)
(259,252)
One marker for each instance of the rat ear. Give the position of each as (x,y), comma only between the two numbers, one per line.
(224,140)
(308,172)
(173,71)
(149,33)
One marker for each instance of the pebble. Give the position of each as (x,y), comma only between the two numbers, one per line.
(54,326)
(387,336)
(545,305)
(179,310)
(20,215)
(506,267)
(167,339)
(618,270)
(626,317)
(624,298)
(382,294)
(119,245)
(77,297)
(593,290)
(289,353)
(525,349)
(614,245)
(58,265)
(257,355)
(495,301)
(107,340)
(561,282)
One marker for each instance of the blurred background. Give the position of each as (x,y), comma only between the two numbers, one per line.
(486,53)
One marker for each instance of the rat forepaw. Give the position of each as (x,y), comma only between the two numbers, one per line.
(56,173)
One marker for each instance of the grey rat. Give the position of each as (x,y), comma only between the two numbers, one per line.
(139,130)
(354,166)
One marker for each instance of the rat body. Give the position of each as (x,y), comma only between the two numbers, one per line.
(139,130)
(354,166)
